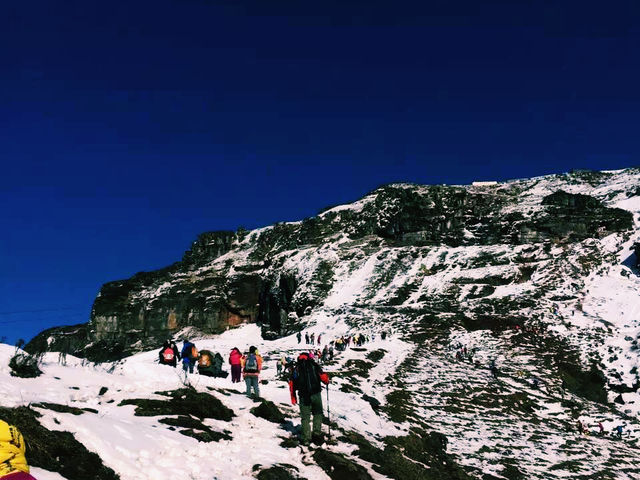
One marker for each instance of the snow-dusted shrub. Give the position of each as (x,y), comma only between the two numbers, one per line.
(24,365)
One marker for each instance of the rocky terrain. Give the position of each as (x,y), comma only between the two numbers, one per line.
(537,275)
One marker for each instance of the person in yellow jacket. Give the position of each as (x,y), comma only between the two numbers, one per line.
(13,464)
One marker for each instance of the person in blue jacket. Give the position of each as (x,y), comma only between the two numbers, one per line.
(189,356)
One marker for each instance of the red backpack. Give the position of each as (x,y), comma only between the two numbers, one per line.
(168,354)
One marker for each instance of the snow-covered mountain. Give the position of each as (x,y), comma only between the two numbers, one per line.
(538,275)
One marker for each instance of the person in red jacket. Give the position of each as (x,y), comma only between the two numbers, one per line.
(235,360)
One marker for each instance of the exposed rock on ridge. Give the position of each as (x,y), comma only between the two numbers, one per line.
(281,274)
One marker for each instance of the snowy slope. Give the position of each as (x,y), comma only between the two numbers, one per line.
(545,312)
(141,448)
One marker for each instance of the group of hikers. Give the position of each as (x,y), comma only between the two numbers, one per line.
(342,342)
(247,365)
(210,364)
(303,374)
(305,377)
(309,338)
(462,353)
(584,429)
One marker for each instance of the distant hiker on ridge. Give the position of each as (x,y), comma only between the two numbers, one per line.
(299,337)
(493,368)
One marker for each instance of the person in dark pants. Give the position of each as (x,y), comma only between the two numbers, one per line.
(189,356)
(306,380)
(251,367)
(176,353)
(235,360)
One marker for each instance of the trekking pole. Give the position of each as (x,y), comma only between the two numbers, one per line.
(328,413)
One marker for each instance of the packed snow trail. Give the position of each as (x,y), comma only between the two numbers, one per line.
(140,448)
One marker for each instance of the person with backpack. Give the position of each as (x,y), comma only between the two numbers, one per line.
(306,380)
(325,353)
(189,356)
(251,366)
(299,337)
(235,360)
(169,354)
(217,363)
(13,464)
(161,359)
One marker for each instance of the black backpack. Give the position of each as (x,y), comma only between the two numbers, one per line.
(306,377)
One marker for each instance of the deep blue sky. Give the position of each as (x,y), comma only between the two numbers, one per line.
(127,128)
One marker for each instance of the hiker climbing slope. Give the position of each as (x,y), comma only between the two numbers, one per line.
(189,356)
(251,366)
(306,380)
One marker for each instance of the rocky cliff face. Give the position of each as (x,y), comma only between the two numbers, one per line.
(280,276)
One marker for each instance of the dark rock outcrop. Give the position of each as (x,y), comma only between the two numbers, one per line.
(338,467)
(209,245)
(56,451)
(269,411)
(575,217)
(68,339)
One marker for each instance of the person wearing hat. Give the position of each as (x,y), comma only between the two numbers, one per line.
(13,464)
(251,366)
